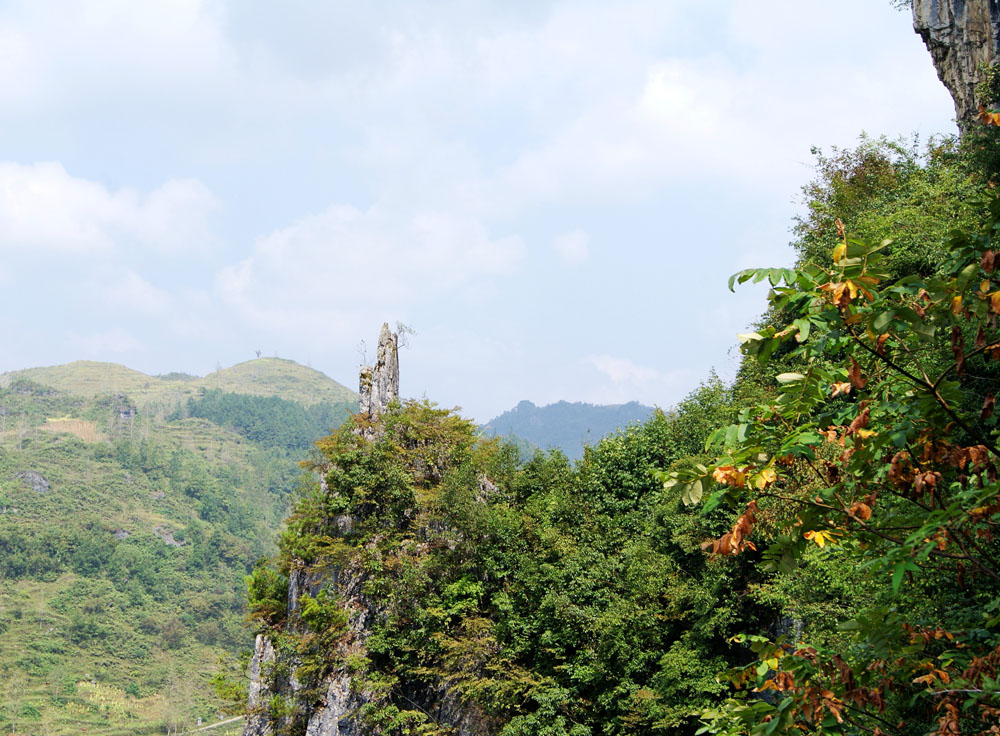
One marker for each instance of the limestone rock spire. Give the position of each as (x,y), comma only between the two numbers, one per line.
(379,384)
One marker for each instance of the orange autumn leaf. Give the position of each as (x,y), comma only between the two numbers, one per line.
(989,117)
(728,475)
(859,510)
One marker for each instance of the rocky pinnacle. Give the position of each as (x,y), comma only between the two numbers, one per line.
(379,384)
(962,36)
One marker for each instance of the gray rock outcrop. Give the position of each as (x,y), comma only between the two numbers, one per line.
(167,536)
(34,480)
(962,37)
(258,719)
(379,384)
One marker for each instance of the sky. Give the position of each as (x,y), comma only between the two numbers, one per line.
(551,195)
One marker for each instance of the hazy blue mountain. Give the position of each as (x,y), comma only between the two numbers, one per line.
(566,425)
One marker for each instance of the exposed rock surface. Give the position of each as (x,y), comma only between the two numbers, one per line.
(329,719)
(258,723)
(34,480)
(167,536)
(379,384)
(961,35)
(334,715)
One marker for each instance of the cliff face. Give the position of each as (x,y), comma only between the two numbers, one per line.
(962,36)
(331,708)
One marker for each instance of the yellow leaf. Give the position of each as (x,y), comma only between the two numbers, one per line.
(956,304)
(839,252)
(866,433)
(984,285)
(816,537)
(822,537)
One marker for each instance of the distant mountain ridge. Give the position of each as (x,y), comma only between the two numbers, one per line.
(258,377)
(569,426)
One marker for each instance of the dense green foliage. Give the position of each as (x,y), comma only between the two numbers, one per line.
(566,426)
(877,456)
(884,189)
(270,421)
(545,598)
(862,474)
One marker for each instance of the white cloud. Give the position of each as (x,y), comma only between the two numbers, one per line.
(326,271)
(115,340)
(75,50)
(454,127)
(743,114)
(573,247)
(625,380)
(43,207)
(124,289)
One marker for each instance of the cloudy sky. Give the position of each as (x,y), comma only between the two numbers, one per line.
(551,194)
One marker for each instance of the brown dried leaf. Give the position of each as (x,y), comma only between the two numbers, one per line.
(988,406)
(860,422)
(854,374)
(989,261)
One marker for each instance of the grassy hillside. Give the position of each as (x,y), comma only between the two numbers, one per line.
(279,377)
(126,533)
(260,377)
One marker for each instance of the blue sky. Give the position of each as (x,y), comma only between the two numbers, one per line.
(551,194)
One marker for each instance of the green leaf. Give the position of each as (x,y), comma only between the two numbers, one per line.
(692,492)
(883,320)
(897,577)
(901,569)
(713,501)
(804,326)
(766,349)
(965,277)
(789,377)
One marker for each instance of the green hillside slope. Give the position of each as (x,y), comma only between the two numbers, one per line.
(126,532)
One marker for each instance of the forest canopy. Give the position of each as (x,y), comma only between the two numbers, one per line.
(810,549)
